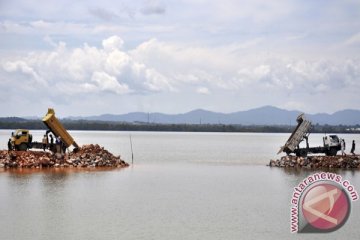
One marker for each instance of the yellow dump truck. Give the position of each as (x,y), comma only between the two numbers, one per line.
(22,139)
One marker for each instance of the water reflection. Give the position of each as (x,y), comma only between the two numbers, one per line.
(174,191)
(293,176)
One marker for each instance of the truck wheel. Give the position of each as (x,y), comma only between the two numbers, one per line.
(22,147)
(301,153)
(331,152)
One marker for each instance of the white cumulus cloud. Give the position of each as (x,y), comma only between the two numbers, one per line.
(23,67)
(109,83)
(163,68)
(89,69)
(112,43)
(203,90)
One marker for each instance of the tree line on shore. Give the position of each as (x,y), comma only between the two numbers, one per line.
(141,126)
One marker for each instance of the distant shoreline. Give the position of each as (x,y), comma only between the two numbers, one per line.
(140,126)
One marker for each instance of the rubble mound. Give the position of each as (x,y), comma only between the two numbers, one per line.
(317,162)
(94,156)
(26,159)
(86,156)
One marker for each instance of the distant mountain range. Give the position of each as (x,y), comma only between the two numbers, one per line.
(266,115)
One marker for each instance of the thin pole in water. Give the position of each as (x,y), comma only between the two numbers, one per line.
(132,153)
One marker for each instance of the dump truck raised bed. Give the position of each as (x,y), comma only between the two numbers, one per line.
(58,129)
(331,143)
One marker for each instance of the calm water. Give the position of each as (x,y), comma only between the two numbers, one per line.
(181,186)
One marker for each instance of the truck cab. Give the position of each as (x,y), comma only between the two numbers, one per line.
(331,141)
(332,144)
(21,140)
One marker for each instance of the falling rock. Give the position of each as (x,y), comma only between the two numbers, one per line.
(271,164)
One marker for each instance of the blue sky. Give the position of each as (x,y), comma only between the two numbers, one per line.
(92,57)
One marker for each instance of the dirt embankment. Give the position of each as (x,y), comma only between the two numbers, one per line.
(318,162)
(87,156)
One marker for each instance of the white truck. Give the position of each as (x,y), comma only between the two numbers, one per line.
(331,143)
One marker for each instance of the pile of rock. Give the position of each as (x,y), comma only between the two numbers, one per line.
(316,162)
(94,156)
(26,159)
(86,156)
